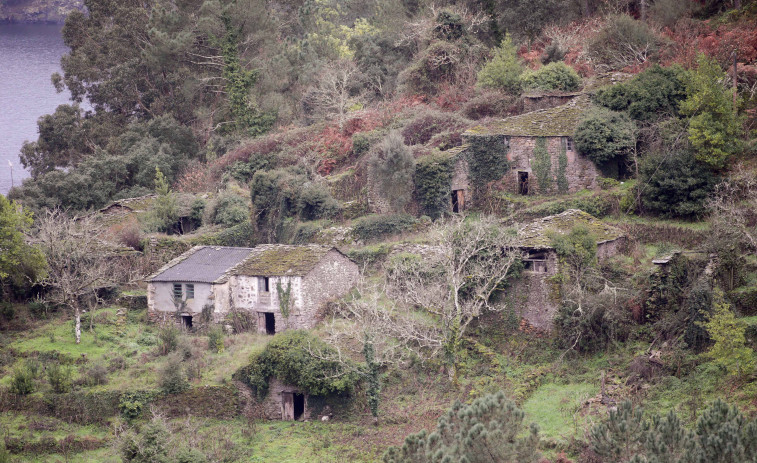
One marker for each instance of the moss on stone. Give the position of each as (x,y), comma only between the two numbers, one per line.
(283,260)
(537,234)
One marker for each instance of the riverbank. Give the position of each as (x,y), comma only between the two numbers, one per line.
(38,11)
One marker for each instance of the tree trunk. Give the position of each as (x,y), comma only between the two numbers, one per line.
(77,330)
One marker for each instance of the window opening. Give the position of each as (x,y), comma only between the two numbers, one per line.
(568,143)
(177,291)
(523,183)
(264,284)
(507,142)
(458,200)
(299,406)
(190,291)
(270,323)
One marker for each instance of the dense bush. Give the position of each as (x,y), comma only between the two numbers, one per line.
(624,41)
(22,381)
(427,123)
(435,65)
(168,338)
(604,135)
(391,168)
(675,185)
(490,103)
(653,94)
(602,320)
(231,209)
(504,70)
(59,377)
(553,76)
(315,202)
(288,358)
(172,378)
(433,175)
(132,404)
(373,227)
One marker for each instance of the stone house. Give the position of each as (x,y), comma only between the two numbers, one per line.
(520,136)
(534,296)
(281,286)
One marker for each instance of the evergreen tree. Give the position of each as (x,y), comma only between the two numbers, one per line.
(727,333)
(503,71)
(373,387)
(489,429)
(392,168)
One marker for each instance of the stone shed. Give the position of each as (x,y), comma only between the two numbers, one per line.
(553,129)
(286,286)
(534,295)
(282,286)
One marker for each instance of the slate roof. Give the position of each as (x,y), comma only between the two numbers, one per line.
(537,234)
(202,264)
(282,260)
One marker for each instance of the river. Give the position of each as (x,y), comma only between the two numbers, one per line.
(29,54)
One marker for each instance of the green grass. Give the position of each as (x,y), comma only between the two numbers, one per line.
(557,409)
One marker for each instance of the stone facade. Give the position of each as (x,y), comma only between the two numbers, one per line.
(581,172)
(273,404)
(460,175)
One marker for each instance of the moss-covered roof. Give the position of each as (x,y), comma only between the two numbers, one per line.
(538,233)
(282,260)
(560,121)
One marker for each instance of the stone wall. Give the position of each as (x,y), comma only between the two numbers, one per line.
(248,296)
(581,172)
(460,176)
(607,249)
(332,278)
(534,102)
(272,407)
(534,297)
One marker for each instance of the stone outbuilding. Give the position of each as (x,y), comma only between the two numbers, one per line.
(534,295)
(521,136)
(281,286)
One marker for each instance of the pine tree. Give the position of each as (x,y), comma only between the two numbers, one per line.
(373,390)
(489,429)
(621,436)
(727,333)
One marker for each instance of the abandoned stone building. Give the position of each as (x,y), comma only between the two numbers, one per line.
(550,129)
(282,286)
(534,296)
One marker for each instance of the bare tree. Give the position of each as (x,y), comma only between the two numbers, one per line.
(334,90)
(432,299)
(78,261)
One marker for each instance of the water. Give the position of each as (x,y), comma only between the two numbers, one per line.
(29,54)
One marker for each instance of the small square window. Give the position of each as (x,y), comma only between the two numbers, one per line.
(190,290)
(264,284)
(568,143)
(177,291)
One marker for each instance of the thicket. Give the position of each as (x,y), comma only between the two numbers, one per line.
(551,77)
(433,176)
(391,168)
(503,71)
(624,41)
(675,184)
(230,209)
(654,94)
(487,162)
(604,135)
(372,227)
(300,359)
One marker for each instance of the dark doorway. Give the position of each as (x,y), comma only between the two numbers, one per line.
(458,200)
(299,406)
(270,323)
(186,321)
(523,183)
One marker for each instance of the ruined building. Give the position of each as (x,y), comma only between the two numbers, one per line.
(284,287)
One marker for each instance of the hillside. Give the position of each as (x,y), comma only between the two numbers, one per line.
(38,11)
(319,230)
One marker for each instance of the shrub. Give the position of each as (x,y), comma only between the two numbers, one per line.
(601,321)
(433,175)
(288,358)
(59,377)
(676,185)
(215,339)
(504,70)
(436,65)
(315,202)
(553,76)
(378,226)
(604,135)
(427,123)
(623,42)
(391,169)
(489,103)
(131,404)
(230,210)
(653,94)
(95,375)
(172,378)
(168,338)
(149,446)
(243,234)
(22,381)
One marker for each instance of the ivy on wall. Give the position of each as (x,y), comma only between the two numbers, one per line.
(542,166)
(487,161)
(285,298)
(433,179)
(562,168)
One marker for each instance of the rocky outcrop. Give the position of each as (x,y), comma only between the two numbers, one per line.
(38,11)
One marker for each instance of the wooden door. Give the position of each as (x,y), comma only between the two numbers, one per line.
(261,323)
(287,406)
